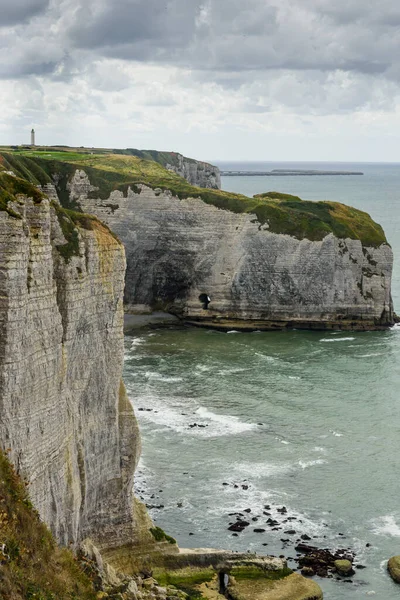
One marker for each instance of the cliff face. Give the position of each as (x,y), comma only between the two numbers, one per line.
(195,172)
(64,411)
(272,261)
(180,249)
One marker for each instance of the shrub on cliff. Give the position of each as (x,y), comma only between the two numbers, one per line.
(32,566)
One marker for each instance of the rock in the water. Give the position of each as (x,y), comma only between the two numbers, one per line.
(238,526)
(344,567)
(394,568)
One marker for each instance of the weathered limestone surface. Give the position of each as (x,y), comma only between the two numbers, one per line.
(64,413)
(179,249)
(196,172)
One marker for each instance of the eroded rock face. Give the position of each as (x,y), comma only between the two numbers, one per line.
(196,172)
(64,412)
(181,251)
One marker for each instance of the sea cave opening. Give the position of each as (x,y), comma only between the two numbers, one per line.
(205,300)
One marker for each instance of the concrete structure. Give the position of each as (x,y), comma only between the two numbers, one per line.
(33,138)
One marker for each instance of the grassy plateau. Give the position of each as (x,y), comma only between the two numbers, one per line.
(107,172)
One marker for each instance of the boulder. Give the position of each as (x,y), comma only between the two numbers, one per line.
(394,568)
(344,567)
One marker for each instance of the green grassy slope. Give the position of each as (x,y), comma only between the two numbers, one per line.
(284,214)
(70,220)
(32,566)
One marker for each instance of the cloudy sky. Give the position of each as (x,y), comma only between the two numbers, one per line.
(214,79)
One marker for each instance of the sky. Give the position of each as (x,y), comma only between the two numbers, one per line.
(213,79)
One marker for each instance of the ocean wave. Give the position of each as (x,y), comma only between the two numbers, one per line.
(386,525)
(254,498)
(229,423)
(203,368)
(188,418)
(233,331)
(231,371)
(137,342)
(372,354)
(264,469)
(311,463)
(266,357)
(335,433)
(159,377)
(345,339)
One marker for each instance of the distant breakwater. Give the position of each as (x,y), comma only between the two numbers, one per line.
(286,173)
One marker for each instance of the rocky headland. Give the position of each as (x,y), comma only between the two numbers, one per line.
(69,428)
(223,260)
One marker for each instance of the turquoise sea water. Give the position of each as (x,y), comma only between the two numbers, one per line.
(306,420)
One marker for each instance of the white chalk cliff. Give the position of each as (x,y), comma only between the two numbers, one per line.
(65,415)
(181,249)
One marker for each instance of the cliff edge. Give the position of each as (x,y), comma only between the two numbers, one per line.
(223,260)
(69,427)
(64,412)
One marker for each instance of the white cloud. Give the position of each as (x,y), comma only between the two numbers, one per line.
(203,76)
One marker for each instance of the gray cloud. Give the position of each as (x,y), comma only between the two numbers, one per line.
(19,11)
(131,24)
(206,61)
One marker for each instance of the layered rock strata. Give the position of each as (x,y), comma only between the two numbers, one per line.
(182,252)
(64,412)
(196,172)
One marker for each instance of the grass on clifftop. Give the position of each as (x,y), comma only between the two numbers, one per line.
(11,187)
(282,213)
(32,566)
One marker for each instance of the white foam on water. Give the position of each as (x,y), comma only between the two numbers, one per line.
(185,416)
(233,331)
(235,500)
(370,355)
(386,525)
(159,377)
(383,566)
(231,371)
(263,469)
(265,357)
(345,339)
(285,442)
(294,377)
(319,449)
(137,342)
(335,433)
(227,424)
(203,368)
(311,463)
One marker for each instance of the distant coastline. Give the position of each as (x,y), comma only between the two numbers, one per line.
(287,173)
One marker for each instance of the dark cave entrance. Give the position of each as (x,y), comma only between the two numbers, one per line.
(223,582)
(205,300)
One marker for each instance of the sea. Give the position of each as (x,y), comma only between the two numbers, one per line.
(255,422)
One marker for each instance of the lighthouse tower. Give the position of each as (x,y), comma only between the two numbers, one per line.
(33,138)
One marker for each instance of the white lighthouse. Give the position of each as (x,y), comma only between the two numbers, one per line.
(33,138)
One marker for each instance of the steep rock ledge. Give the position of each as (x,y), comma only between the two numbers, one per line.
(66,421)
(195,172)
(268,262)
(179,251)
(65,416)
